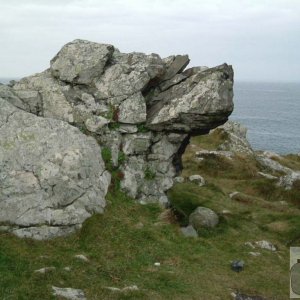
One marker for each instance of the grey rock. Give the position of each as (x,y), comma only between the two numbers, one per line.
(288,181)
(133,110)
(237,265)
(185,106)
(138,143)
(95,123)
(273,165)
(138,106)
(212,153)
(52,177)
(127,128)
(81,257)
(68,293)
(239,296)
(9,95)
(124,289)
(179,179)
(203,217)
(176,65)
(45,270)
(255,254)
(268,176)
(197,179)
(81,61)
(189,231)
(236,140)
(265,245)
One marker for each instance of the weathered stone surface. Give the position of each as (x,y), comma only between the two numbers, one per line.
(197,179)
(189,231)
(68,293)
(52,177)
(199,103)
(133,110)
(81,61)
(140,108)
(265,245)
(203,217)
(288,181)
(236,140)
(175,65)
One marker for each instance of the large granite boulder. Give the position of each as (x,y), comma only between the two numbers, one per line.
(140,109)
(52,176)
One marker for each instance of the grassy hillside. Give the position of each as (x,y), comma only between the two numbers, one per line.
(124,244)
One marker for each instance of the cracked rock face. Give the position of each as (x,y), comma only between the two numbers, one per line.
(140,109)
(52,176)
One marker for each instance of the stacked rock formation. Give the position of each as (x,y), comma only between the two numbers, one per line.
(140,109)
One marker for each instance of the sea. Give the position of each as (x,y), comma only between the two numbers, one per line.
(270,111)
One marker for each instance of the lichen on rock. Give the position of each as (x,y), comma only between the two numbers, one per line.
(140,107)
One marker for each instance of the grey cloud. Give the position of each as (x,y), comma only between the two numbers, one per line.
(260,38)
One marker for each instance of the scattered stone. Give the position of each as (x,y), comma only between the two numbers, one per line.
(81,257)
(237,265)
(226,212)
(238,296)
(272,164)
(287,181)
(266,245)
(68,269)
(125,289)
(157,264)
(250,245)
(69,293)
(268,176)
(271,154)
(179,179)
(203,217)
(45,270)
(197,179)
(189,231)
(255,253)
(236,140)
(231,195)
(202,154)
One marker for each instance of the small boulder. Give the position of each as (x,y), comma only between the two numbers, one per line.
(45,270)
(178,179)
(237,265)
(189,231)
(266,245)
(68,293)
(203,217)
(197,179)
(81,257)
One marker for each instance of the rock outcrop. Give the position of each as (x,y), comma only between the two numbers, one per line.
(140,109)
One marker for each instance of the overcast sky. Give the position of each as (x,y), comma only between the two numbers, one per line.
(260,38)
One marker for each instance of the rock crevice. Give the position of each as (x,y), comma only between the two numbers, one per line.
(138,109)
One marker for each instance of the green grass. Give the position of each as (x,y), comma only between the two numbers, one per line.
(121,252)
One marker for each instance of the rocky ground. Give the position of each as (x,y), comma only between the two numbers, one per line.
(137,251)
(107,175)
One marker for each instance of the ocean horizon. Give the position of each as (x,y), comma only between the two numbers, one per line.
(270,111)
